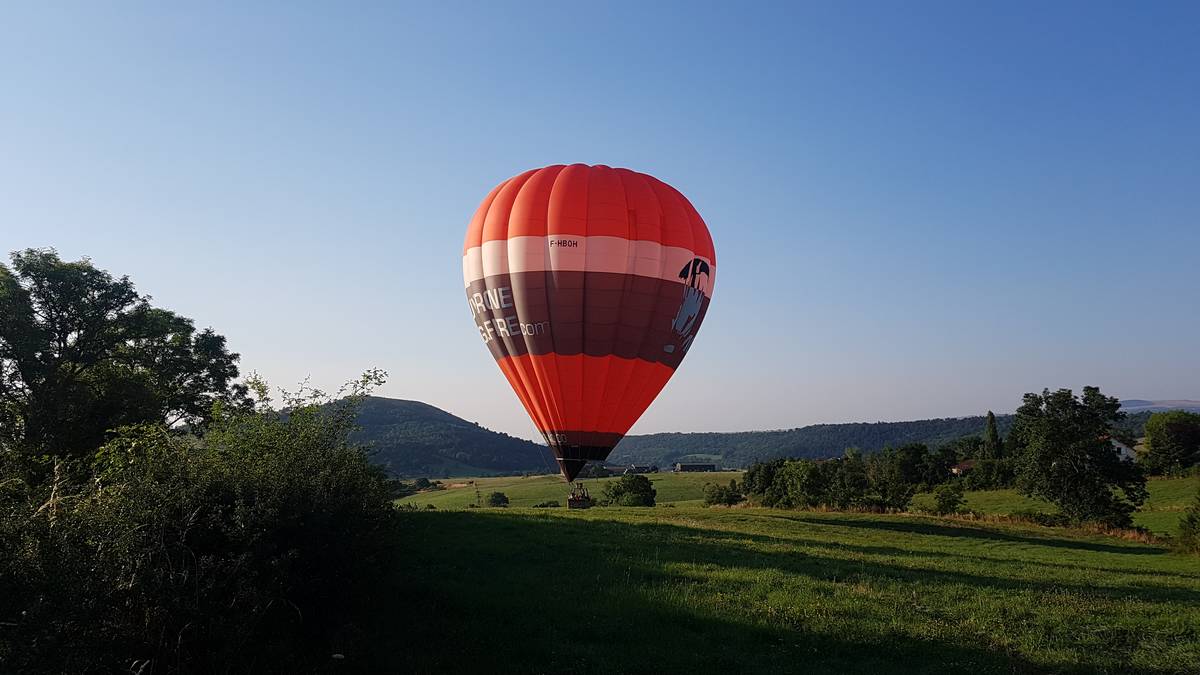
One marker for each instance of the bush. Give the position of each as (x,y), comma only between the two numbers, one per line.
(630,490)
(497,499)
(948,497)
(551,504)
(1189,528)
(262,542)
(1040,518)
(723,495)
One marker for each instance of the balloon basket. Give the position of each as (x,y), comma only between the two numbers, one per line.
(579,497)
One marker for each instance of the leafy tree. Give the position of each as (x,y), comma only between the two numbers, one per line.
(1172,441)
(82,353)
(990,474)
(889,480)
(911,461)
(949,497)
(849,485)
(1069,460)
(1189,527)
(992,448)
(967,447)
(723,495)
(497,499)
(629,490)
(760,475)
(1013,447)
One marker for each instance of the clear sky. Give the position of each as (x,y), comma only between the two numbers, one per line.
(933,207)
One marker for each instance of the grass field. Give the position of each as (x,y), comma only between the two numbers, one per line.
(674,488)
(695,590)
(1160,514)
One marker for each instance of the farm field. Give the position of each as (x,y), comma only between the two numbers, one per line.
(695,590)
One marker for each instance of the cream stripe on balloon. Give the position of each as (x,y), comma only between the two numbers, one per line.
(574,253)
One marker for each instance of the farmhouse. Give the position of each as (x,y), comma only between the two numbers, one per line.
(694,467)
(962,467)
(640,468)
(1123,450)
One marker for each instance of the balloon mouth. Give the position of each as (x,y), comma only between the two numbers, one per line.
(571,467)
(574,449)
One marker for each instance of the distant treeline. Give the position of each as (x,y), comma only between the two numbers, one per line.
(819,441)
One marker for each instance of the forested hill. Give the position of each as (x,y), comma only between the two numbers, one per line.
(410,438)
(817,441)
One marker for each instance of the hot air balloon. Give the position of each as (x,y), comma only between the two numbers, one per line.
(587,284)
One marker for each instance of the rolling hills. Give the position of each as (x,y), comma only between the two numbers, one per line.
(410,438)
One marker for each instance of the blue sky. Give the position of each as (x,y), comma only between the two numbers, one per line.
(931,208)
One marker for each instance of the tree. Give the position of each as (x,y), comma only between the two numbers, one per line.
(723,495)
(992,447)
(1189,527)
(889,481)
(1069,460)
(990,474)
(949,497)
(497,499)
(82,353)
(760,476)
(1172,441)
(849,486)
(629,490)
(910,460)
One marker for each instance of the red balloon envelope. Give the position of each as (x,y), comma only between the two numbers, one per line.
(587,284)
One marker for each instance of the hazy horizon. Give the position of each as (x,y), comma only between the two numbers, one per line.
(931,212)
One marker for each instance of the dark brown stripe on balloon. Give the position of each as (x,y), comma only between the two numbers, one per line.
(582,439)
(593,313)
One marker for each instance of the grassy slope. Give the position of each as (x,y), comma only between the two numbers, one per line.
(693,590)
(678,488)
(1161,513)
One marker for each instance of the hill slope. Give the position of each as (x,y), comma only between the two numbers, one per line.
(411,438)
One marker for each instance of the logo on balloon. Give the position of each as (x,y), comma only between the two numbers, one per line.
(696,275)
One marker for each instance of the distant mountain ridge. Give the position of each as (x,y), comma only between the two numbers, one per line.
(410,438)
(1135,405)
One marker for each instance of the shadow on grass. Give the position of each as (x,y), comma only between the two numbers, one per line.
(500,592)
(915,554)
(924,527)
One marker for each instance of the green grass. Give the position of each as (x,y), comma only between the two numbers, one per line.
(674,488)
(1160,514)
(694,590)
